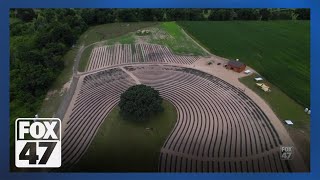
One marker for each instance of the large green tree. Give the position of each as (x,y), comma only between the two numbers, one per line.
(139,102)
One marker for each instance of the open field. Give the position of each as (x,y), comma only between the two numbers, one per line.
(286,108)
(125,145)
(278,50)
(171,35)
(84,58)
(125,39)
(109,31)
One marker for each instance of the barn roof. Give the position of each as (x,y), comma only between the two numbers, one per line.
(235,63)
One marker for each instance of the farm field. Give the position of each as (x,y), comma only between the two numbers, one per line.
(117,139)
(278,50)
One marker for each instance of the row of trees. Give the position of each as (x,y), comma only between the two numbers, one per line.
(98,16)
(40,37)
(259,14)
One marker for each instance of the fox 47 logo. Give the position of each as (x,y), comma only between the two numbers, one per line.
(286,152)
(38,143)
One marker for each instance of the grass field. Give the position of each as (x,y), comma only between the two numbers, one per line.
(85,58)
(171,35)
(278,50)
(109,31)
(286,108)
(125,39)
(122,145)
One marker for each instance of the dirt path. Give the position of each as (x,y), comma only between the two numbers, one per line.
(68,93)
(131,75)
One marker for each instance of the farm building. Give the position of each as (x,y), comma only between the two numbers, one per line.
(236,66)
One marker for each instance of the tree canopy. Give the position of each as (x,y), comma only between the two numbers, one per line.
(139,102)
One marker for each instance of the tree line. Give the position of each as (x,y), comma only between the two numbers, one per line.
(99,16)
(38,40)
(40,37)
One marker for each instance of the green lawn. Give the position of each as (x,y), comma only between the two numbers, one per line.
(278,50)
(125,39)
(122,145)
(109,31)
(286,108)
(84,59)
(170,34)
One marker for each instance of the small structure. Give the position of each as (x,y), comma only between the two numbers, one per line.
(258,79)
(288,122)
(306,110)
(236,66)
(264,87)
(309,112)
(247,71)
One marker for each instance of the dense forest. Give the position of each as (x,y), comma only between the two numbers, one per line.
(40,37)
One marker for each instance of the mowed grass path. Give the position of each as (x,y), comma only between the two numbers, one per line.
(278,50)
(125,146)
